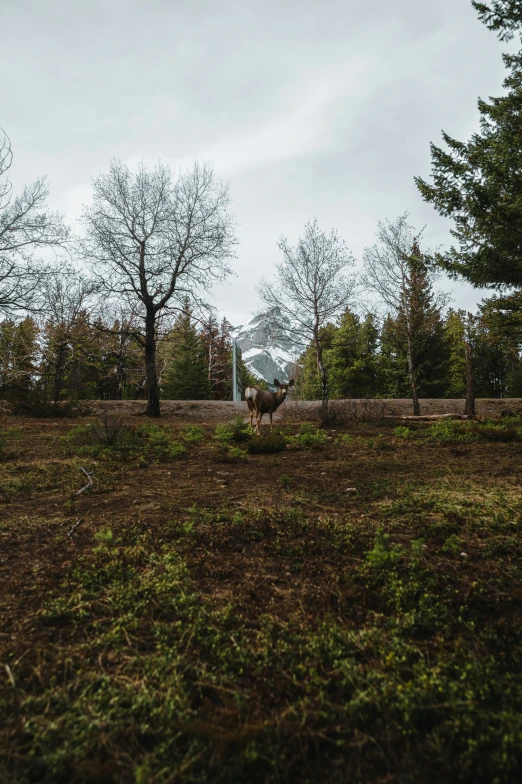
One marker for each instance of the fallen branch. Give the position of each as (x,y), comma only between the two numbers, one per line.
(77,523)
(422,417)
(88,474)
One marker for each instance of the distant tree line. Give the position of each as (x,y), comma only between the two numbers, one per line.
(367,357)
(50,360)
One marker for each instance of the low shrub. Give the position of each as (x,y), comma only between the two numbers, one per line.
(192,434)
(148,443)
(309,437)
(267,444)
(111,430)
(498,432)
(238,431)
(402,432)
(156,444)
(383,554)
(447,430)
(230,454)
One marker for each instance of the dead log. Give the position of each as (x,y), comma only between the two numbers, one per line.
(423,417)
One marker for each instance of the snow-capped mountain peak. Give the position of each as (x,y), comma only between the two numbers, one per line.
(268,347)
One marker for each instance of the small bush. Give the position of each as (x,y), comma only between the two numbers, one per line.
(111,430)
(402,432)
(238,431)
(497,432)
(192,434)
(156,444)
(449,431)
(285,481)
(309,437)
(383,555)
(234,454)
(107,431)
(453,544)
(267,444)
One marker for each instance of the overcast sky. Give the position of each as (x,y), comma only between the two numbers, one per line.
(309,108)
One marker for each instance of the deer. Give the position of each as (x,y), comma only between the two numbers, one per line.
(261,401)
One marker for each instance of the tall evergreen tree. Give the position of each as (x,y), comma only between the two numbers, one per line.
(186,373)
(455,331)
(414,352)
(352,357)
(498,361)
(18,357)
(478,182)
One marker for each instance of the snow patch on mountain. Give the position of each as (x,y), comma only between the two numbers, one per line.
(268,346)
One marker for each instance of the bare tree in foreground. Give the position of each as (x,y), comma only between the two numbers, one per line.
(312,287)
(153,241)
(25,225)
(394,270)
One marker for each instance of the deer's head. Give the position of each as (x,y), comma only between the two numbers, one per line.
(282,389)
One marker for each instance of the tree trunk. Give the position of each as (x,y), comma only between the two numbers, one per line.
(469,408)
(152,386)
(411,376)
(324,378)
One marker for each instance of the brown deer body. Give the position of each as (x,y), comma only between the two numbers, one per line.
(261,401)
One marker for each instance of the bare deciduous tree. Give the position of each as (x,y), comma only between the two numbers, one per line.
(393,269)
(154,241)
(312,287)
(66,296)
(26,225)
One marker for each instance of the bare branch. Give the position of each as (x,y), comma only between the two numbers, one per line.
(88,474)
(26,225)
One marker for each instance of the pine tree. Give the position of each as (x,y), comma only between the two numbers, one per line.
(478,182)
(414,350)
(186,373)
(18,357)
(429,348)
(497,347)
(352,357)
(455,331)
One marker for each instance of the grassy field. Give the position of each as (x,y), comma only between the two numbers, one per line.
(319,606)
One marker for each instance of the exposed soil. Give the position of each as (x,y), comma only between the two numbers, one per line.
(266,565)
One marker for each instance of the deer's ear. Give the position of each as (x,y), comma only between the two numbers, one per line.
(276,383)
(291,382)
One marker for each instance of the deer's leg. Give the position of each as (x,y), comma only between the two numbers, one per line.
(270,421)
(251,418)
(259,418)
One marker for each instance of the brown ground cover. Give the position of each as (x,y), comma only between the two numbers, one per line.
(221,617)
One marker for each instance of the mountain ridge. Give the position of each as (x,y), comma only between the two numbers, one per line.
(267,345)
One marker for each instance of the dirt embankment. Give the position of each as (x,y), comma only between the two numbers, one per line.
(224,410)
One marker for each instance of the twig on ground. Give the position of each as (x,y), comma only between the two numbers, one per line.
(10,675)
(88,474)
(77,523)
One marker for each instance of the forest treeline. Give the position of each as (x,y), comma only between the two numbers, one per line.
(79,359)
(367,358)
